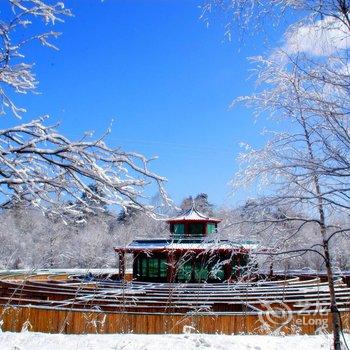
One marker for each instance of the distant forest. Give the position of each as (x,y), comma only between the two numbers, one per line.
(30,239)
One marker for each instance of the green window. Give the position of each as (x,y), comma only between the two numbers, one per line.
(217,272)
(220,275)
(201,272)
(211,228)
(144,267)
(153,267)
(184,273)
(196,229)
(163,268)
(179,229)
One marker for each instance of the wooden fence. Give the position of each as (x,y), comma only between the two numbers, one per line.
(17,318)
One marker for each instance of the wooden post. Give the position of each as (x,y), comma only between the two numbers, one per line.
(228,269)
(171,271)
(271,270)
(135,267)
(239,267)
(122,265)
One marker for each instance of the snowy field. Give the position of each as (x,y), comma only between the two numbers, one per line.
(41,341)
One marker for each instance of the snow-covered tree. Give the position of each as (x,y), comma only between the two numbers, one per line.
(304,168)
(200,202)
(304,84)
(40,167)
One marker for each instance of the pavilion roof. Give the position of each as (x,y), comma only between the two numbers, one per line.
(193,215)
(170,245)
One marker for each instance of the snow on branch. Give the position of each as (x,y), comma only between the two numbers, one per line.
(16,75)
(39,166)
(43,168)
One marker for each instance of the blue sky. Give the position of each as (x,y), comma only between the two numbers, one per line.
(164,77)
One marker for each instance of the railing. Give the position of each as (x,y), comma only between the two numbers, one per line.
(38,319)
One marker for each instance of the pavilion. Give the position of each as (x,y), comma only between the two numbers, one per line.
(193,253)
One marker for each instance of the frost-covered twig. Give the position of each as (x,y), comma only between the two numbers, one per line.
(38,166)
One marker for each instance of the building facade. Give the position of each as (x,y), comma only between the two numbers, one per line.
(192,254)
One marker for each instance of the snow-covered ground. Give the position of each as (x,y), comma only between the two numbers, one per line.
(41,341)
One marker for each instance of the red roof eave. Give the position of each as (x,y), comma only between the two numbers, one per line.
(180,250)
(178,220)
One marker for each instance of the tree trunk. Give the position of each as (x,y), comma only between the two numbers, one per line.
(334,309)
(323,230)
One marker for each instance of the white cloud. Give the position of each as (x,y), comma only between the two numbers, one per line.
(322,38)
